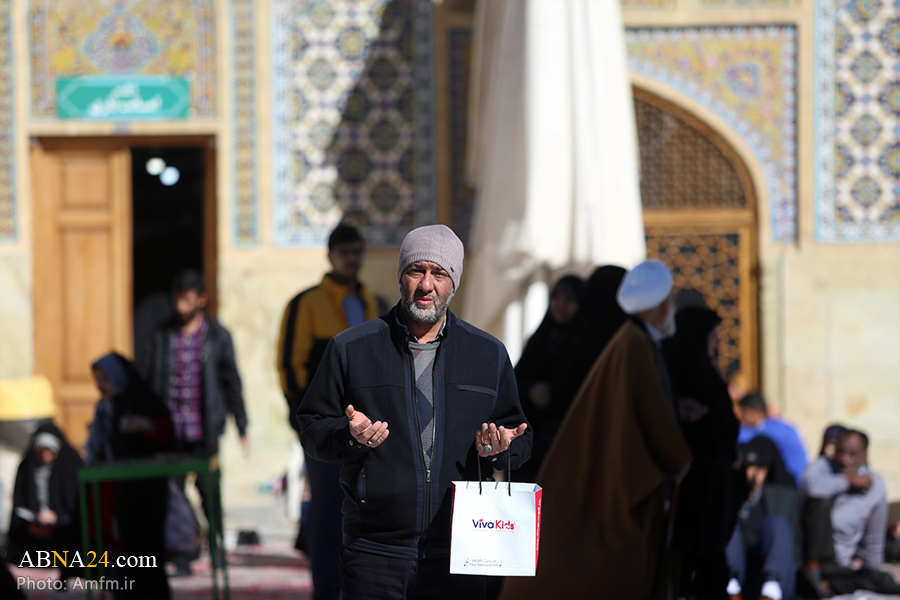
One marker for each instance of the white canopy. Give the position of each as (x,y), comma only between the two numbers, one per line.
(552,154)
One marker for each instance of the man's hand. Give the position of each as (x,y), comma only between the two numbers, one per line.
(860,482)
(364,430)
(46,517)
(492,440)
(245,446)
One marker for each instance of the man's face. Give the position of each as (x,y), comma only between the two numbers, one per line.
(751,416)
(851,453)
(426,290)
(188,304)
(346,259)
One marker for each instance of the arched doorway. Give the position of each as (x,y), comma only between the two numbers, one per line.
(700,218)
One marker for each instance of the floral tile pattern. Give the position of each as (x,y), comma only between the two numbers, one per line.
(140,37)
(857,121)
(353,122)
(244,123)
(8,209)
(746,75)
(745,3)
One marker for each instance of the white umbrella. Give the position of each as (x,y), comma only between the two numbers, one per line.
(552,155)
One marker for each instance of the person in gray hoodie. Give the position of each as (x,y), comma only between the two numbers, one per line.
(846,498)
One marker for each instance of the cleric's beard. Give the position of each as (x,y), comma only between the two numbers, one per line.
(668,327)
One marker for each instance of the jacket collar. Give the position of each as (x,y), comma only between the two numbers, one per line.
(336,291)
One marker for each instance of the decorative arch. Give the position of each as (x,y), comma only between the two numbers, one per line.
(700,218)
(746,77)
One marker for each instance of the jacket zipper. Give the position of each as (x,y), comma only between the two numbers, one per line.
(415,395)
(433,449)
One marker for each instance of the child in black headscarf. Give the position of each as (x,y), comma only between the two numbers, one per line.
(45,498)
(132,422)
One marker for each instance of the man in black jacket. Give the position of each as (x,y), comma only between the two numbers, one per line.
(410,402)
(189,363)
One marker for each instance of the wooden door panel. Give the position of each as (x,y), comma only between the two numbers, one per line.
(87,304)
(716,260)
(85,181)
(82,215)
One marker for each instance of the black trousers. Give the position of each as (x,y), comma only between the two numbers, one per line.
(818,538)
(8,585)
(818,544)
(141,508)
(324,527)
(844,580)
(367,576)
(203,479)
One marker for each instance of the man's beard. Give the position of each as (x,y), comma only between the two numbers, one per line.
(185,319)
(668,327)
(428,315)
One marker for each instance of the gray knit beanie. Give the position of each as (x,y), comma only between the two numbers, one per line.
(434,243)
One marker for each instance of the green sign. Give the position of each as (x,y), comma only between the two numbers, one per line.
(114,98)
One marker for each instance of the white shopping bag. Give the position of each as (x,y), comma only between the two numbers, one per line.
(496,528)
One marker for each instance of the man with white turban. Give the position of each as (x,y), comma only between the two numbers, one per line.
(609,476)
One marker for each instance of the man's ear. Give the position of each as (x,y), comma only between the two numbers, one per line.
(202,299)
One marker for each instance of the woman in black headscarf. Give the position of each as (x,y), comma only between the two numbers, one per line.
(711,494)
(600,319)
(538,370)
(132,422)
(45,498)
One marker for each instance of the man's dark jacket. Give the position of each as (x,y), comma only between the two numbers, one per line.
(220,381)
(392,505)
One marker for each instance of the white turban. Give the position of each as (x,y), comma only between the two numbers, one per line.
(645,287)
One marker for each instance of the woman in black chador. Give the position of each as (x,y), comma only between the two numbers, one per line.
(711,494)
(45,499)
(538,370)
(599,320)
(132,422)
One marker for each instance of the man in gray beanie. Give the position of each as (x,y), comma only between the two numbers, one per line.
(448,391)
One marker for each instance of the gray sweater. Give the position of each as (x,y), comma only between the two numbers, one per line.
(858,518)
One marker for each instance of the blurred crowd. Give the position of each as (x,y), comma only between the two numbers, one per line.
(748,515)
(661,478)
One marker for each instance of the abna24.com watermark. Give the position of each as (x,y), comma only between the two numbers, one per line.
(53,560)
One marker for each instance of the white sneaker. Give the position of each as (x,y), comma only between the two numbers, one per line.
(734,587)
(771,589)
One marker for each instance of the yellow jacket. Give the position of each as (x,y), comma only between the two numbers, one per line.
(310,320)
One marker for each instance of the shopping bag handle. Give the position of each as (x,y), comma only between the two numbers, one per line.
(508,472)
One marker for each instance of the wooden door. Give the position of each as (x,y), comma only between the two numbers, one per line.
(82,268)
